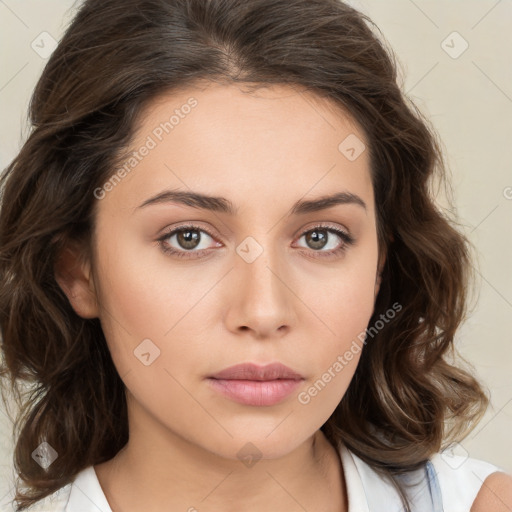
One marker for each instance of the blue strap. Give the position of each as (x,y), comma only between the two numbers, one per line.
(435,489)
(423,490)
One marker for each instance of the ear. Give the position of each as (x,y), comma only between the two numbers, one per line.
(73,274)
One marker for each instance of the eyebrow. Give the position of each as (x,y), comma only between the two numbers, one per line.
(223,205)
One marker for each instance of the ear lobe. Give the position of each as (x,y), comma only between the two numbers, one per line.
(73,275)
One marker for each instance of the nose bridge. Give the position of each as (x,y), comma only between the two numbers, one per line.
(257,265)
(262,299)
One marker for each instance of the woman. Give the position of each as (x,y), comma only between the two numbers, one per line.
(224,272)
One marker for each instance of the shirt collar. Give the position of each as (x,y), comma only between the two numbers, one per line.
(86,493)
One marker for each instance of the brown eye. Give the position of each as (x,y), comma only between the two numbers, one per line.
(320,237)
(317,239)
(188,238)
(186,241)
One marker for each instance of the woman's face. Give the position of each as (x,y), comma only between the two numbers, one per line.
(261,284)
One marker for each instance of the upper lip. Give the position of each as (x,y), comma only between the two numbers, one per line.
(251,371)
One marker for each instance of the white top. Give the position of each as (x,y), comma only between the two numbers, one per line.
(448,482)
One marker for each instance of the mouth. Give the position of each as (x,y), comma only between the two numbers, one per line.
(251,371)
(250,384)
(255,392)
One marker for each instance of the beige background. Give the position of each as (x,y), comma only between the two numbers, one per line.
(469,100)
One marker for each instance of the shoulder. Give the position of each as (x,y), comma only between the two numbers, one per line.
(449,482)
(495,494)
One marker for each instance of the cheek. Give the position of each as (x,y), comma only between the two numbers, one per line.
(346,307)
(141,298)
(142,290)
(343,308)
(344,301)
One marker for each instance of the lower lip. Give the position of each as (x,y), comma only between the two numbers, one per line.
(253,392)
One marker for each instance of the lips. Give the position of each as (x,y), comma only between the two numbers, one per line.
(250,384)
(250,371)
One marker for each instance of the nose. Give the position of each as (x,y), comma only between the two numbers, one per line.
(261,301)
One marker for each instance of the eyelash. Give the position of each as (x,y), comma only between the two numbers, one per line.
(348,240)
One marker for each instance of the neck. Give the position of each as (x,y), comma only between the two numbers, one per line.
(166,471)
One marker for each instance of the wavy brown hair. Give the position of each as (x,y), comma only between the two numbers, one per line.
(409,397)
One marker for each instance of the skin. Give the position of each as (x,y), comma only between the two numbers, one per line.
(263,151)
(495,495)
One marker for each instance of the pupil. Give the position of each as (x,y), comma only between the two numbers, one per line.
(188,239)
(318,238)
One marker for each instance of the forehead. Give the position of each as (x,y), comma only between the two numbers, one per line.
(237,109)
(224,140)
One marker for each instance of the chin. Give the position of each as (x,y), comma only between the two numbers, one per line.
(261,446)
